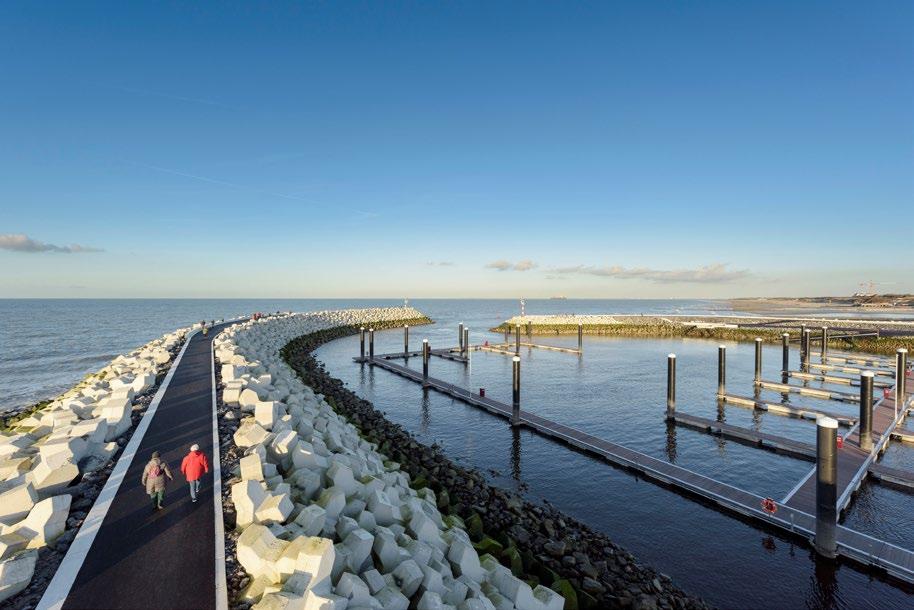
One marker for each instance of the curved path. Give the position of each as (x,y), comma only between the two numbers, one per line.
(140,558)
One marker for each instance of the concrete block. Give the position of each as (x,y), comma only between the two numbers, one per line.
(373,580)
(11,543)
(423,528)
(352,588)
(408,576)
(248,399)
(259,551)
(392,599)
(16,573)
(304,455)
(384,511)
(63,449)
(344,526)
(311,519)
(359,542)
(548,599)
(432,581)
(282,446)
(16,503)
(250,434)
(230,395)
(116,411)
(316,559)
(53,476)
(251,468)
(286,562)
(91,430)
(465,561)
(13,467)
(143,382)
(456,591)
(332,500)
(430,601)
(324,601)
(247,496)
(46,521)
(267,413)
(275,508)
(339,475)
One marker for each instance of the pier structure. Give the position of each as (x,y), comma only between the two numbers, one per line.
(812,507)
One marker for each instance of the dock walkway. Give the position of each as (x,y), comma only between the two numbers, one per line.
(857,546)
(140,558)
(853,462)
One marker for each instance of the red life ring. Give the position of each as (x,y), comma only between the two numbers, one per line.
(769,506)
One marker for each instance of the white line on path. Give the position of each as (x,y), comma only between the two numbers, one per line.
(221,587)
(59,588)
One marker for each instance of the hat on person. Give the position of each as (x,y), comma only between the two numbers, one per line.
(155,454)
(195,447)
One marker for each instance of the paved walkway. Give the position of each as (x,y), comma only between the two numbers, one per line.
(166,559)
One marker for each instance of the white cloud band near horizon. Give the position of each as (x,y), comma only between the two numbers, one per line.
(717,273)
(503,265)
(20,242)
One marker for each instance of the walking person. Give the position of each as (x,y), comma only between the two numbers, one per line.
(155,474)
(194,466)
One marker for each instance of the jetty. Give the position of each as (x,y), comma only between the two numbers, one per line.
(799,513)
(122,558)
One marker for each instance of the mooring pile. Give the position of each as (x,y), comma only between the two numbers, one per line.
(324,520)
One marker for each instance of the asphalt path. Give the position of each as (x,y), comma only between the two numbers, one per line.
(142,558)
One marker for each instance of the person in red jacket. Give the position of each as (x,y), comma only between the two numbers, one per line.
(193,466)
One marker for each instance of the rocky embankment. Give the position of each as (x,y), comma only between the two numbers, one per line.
(56,457)
(330,505)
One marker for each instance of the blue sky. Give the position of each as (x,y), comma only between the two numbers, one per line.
(656,149)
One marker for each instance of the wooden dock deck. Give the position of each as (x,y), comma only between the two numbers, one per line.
(854,545)
(808,413)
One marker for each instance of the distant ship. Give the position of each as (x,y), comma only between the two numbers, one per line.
(558,298)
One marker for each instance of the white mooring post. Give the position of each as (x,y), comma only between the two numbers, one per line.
(406,340)
(362,342)
(670,385)
(371,344)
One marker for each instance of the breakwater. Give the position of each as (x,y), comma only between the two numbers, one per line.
(56,456)
(536,543)
(871,336)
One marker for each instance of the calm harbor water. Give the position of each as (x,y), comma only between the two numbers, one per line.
(615,391)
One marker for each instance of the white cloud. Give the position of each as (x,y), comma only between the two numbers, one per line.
(717,273)
(503,265)
(19,242)
(440,264)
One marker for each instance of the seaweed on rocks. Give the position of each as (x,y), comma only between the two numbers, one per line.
(537,542)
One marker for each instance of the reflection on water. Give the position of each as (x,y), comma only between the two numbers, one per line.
(616,391)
